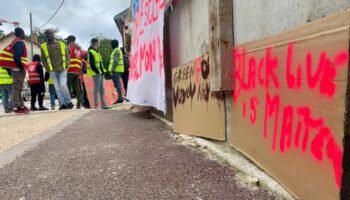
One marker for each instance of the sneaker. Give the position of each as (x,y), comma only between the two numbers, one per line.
(78,107)
(25,109)
(34,108)
(118,101)
(8,111)
(42,108)
(70,106)
(63,107)
(53,108)
(106,107)
(21,111)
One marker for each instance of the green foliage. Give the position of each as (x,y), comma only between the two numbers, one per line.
(127,42)
(105,50)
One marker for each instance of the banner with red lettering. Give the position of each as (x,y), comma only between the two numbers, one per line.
(147,80)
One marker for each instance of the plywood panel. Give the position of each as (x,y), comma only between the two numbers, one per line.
(197,110)
(111,94)
(288,108)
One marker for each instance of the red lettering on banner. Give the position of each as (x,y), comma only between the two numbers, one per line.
(271,65)
(260,72)
(160,56)
(244,109)
(287,128)
(146,52)
(254,103)
(298,127)
(271,107)
(251,74)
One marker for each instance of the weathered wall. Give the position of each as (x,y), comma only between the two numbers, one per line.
(189,31)
(256,19)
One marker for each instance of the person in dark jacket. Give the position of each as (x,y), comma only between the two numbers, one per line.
(96,70)
(14,58)
(125,75)
(36,82)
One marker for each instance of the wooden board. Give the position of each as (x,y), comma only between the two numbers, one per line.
(288,108)
(197,110)
(111,94)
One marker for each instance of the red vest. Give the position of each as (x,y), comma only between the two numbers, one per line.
(34,77)
(76,56)
(6,55)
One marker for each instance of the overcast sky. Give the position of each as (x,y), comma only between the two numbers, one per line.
(78,17)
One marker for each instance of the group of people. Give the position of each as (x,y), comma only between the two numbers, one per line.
(62,65)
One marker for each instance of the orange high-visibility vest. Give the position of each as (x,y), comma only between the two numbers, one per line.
(76,56)
(34,77)
(6,55)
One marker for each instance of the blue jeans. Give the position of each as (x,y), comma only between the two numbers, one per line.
(6,91)
(116,80)
(99,89)
(52,92)
(60,83)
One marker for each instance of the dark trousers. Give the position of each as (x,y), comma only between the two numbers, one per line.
(74,82)
(37,91)
(85,99)
(116,80)
(125,77)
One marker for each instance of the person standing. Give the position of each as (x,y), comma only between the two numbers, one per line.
(14,57)
(36,82)
(116,67)
(6,88)
(85,99)
(56,60)
(125,75)
(96,70)
(74,70)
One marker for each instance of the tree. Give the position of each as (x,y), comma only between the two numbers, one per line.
(105,50)
(127,42)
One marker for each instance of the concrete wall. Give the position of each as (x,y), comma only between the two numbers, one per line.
(256,19)
(189,31)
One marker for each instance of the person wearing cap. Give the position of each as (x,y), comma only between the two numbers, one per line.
(74,69)
(56,61)
(14,58)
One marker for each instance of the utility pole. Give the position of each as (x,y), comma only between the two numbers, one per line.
(31,35)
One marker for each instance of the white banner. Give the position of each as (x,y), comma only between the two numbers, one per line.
(147,79)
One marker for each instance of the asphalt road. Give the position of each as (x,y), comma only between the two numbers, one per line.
(119,155)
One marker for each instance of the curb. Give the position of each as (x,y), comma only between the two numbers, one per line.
(236,160)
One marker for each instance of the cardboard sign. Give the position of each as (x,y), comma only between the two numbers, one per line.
(111,94)
(197,110)
(289,105)
(146,79)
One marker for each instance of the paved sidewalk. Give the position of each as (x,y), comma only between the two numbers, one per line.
(119,155)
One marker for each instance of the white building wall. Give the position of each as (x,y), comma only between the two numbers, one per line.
(256,19)
(189,31)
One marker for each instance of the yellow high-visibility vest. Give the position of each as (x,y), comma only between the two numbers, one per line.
(98,63)
(120,64)
(5,78)
(47,56)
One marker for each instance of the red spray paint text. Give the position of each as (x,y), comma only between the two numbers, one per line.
(292,126)
(147,44)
